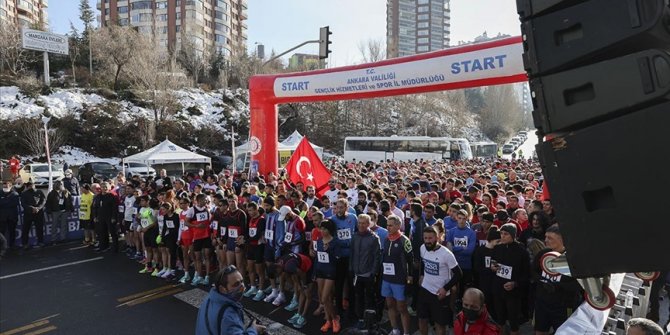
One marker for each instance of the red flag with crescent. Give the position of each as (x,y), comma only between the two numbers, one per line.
(305,166)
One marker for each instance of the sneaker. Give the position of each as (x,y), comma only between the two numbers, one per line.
(196,280)
(205,281)
(300,322)
(294,318)
(280,299)
(168,273)
(268,290)
(396,332)
(326,327)
(185,278)
(146,269)
(336,325)
(161,272)
(260,295)
(272,296)
(250,292)
(411,311)
(155,273)
(292,306)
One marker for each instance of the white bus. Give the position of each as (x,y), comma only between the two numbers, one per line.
(484,149)
(405,148)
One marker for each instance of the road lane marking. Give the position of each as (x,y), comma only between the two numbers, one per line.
(77,248)
(48,317)
(145,293)
(29,326)
(151,297)
(50,268)
(42,330)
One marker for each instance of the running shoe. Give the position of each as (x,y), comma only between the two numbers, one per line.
(155,273)
(259,296)
(272,296)
(205,281)
(294,318)
(300,322)
(292,306)
(250,292)
(280,299)
(326,327)
(336,325)
(185,278)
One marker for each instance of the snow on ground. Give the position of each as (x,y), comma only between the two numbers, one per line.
(74,157)
(212,109)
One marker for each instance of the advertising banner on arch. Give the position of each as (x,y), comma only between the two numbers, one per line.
(494,62)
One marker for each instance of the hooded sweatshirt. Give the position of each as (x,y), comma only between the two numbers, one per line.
(220,315)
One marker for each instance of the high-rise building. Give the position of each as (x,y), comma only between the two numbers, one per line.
(210,23)
(305,61)
(25,12)
(416,26)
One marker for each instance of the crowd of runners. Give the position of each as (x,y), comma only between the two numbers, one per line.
(408,237)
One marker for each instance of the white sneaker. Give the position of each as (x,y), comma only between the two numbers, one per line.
(167,273)
(280,299)
(161,272)
(272,296)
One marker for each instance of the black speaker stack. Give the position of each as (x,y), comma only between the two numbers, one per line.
(599,75)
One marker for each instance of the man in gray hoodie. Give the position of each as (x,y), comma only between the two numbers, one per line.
(364,266)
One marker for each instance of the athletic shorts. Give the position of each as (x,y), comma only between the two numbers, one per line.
(255,253)
(150,239)
(170,241)
(186,240)
(395,291)
(324,275)
(127,226)
(430,307)
(269,254)
(203,243)
(231,245)
(86,224)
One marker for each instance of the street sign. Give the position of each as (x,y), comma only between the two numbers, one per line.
(44,41)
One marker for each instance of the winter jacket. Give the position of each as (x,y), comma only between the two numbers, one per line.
(53,202)
(220,315)
(514,266)
(32,198)
(72,185)
(9,205)
(365,254)
(483,326)
(105,206)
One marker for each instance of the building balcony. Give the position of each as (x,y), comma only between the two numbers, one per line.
(24,6)
(243,15)
(98,5)
(244,25)
(45,3)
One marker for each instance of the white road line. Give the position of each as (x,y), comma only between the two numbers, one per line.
(50,268)
(77,248)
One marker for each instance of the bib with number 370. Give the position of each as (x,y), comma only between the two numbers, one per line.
(344,234)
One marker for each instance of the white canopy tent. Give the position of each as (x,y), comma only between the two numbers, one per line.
(167,152)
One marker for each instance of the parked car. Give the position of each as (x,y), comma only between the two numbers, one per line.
(38,173)
(508,149)
(139,169)
(93,172)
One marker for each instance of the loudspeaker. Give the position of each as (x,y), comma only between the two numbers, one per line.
(609,185)
(592,31)
(593,93)
(528,9)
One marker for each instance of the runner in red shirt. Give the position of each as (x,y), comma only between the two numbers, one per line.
(14,166)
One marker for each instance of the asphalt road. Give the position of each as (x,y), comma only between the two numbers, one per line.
(69,289)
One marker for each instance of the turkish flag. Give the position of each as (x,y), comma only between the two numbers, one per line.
(306,167)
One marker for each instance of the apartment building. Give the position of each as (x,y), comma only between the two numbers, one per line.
(417,26)
(25,12)
(210,23)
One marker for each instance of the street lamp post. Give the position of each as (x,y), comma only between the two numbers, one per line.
(45,120)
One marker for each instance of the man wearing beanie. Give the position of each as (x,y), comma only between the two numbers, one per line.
(510,263)
(481,266)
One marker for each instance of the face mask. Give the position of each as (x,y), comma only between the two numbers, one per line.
(6,190)
(470,314)
(236,295)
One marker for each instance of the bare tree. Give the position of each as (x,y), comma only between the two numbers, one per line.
(32,137)
(115,47)
(502,114)
(192,55)
(148,72)
(13,57)
(372,50)
(75,50)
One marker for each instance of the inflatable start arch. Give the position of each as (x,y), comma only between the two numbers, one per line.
(491,63)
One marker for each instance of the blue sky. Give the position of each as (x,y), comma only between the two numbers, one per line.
(282,24)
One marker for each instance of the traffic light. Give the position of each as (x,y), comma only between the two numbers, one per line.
(324,41)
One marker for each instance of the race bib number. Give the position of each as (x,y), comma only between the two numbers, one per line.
(213,225)
(82,215)
(269,235)
(314,245)
(159,218)
(487,261)
(133,211)
(323,257)
(121,209)
(144,223)
(504,271)
(288,237)
(201,216)
(182,225)
(308,235)
(169,224)
(389,269)
(232,233)
(344,234)
(252,232)
(223,231)
(461,242)
(482,242)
